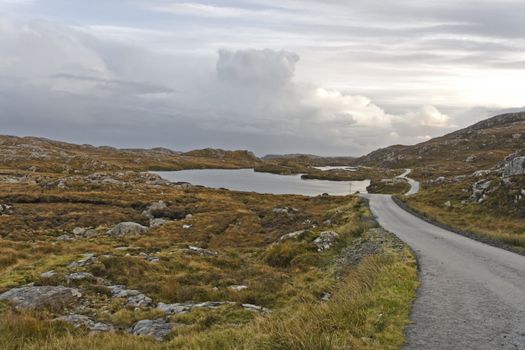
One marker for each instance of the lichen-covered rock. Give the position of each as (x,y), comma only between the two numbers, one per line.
(127,229)
(514,166)
(325,240)
(157,329)
(56,297)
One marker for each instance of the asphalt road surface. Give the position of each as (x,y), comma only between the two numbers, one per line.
(472,295)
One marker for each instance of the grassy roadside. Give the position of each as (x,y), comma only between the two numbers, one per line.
(369,310)
(472,221)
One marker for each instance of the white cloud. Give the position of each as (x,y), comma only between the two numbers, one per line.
(429,116)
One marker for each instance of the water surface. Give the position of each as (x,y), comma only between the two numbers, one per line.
(248,180)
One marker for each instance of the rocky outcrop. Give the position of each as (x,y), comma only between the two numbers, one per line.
(55,297)
(149,212)
(514,166)
(479,190)
(127,229)
(325,240)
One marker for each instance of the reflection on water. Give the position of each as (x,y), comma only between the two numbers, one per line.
(250,181)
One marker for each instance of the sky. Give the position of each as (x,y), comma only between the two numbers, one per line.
(332,77)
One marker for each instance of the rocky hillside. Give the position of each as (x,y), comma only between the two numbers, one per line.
(481,146)
(44,155)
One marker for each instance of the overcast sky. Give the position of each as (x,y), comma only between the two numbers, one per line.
(340,77)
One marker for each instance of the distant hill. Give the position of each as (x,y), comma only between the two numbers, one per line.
(480,146)
(44,155)
(309,159)
(244,156)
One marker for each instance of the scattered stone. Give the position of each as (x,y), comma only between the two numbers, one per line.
(157,329)
(152,259)
(84,321)
(291,235)
(79,276)
(189,217)
(440,179)
(41,297)
(201,251)
(174,308)
(186,226)
(459,178)
(157,222)
(470,159)
(448,204)
(238,288)
(65,238)
(87,259)
(135,298)
(285,210)
(179,308)
(256,308)
(481,173)
(325,240)
(5,209)
(48,274)
(127,229)
(516,136)
(326,296)
(84,232)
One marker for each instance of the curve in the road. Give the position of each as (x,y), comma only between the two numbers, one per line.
(414,185)
(472,295)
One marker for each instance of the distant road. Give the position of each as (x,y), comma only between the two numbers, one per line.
(414,185)
(472,295)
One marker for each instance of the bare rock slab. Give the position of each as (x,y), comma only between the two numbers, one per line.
(41,297)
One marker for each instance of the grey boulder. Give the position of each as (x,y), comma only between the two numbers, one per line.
(325,240)
(157,329)
(127,229)
(41,297)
